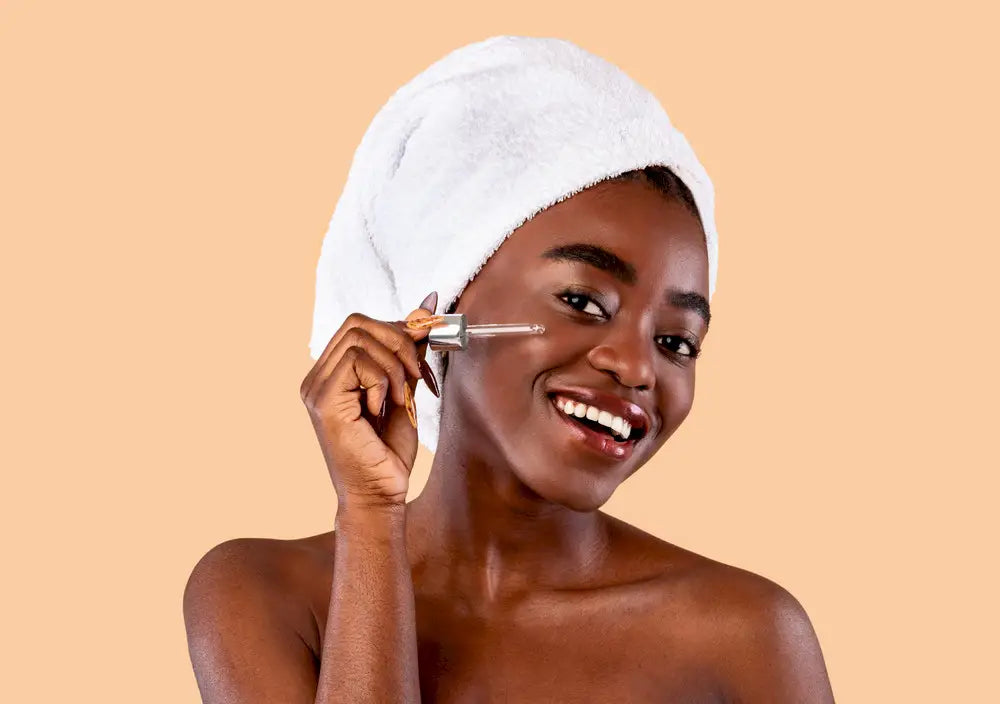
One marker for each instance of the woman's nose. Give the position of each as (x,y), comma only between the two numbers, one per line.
(628,356)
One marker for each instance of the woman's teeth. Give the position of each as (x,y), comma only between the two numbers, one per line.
(617,424)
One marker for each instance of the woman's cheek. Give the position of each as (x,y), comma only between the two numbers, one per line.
(677,399)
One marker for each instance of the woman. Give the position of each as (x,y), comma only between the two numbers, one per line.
(503,581)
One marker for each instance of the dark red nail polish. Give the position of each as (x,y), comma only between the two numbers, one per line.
(380,419)
(428,376)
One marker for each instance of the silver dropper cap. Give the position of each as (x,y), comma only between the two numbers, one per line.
(452,333)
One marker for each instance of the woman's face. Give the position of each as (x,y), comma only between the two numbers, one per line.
(618,275)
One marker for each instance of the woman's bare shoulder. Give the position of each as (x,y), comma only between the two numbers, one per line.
(684,571)
(751,630)
(282,579)
(249,612)
(694,590)
(266,562)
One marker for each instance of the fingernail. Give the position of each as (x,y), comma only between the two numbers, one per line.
(421,323)
(428,376)
(380,419)
(410,408)
(431,302)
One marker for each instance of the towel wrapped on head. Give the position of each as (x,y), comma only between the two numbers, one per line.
(465,153)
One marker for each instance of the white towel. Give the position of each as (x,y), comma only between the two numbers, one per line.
(465,153)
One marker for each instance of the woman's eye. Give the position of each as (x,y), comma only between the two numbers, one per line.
(679,345)
(582,303)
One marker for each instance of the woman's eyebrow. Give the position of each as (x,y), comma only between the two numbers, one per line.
(690,300)
(625,272)
(595,256)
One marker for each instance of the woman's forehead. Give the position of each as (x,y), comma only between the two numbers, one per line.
(638,225)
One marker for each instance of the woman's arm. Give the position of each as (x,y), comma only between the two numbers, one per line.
(370,647)
(247,639)
(244,635)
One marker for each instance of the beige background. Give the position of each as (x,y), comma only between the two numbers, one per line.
(167,172)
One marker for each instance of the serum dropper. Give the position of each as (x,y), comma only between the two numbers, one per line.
(451,332)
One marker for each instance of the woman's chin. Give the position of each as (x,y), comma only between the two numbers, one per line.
(572,489)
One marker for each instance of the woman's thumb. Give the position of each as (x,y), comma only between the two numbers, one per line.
(424,312)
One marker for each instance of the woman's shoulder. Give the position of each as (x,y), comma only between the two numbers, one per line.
(283,578)
(746,629)
(724,595)
(265,562)
(729,609)
(675,561)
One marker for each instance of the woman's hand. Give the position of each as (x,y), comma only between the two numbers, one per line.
(359,395)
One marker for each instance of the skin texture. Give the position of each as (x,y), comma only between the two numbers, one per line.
(519,588)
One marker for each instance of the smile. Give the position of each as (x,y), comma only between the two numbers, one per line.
(602,422)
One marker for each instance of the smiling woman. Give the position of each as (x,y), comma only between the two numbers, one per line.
(527,181)
(615,274)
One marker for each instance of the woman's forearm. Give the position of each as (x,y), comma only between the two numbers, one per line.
(370,647)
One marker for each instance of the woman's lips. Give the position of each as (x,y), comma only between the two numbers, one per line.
(595,440)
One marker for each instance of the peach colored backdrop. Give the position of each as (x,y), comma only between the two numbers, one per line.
(167,171)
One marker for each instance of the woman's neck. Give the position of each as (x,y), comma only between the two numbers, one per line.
(486,529)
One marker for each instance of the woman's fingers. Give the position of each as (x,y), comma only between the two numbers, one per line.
(391,336)
(369,445)
(385,358)
(335,397)
(363,465)
(418,332)
(419,335)
(359,368)
(406,344)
